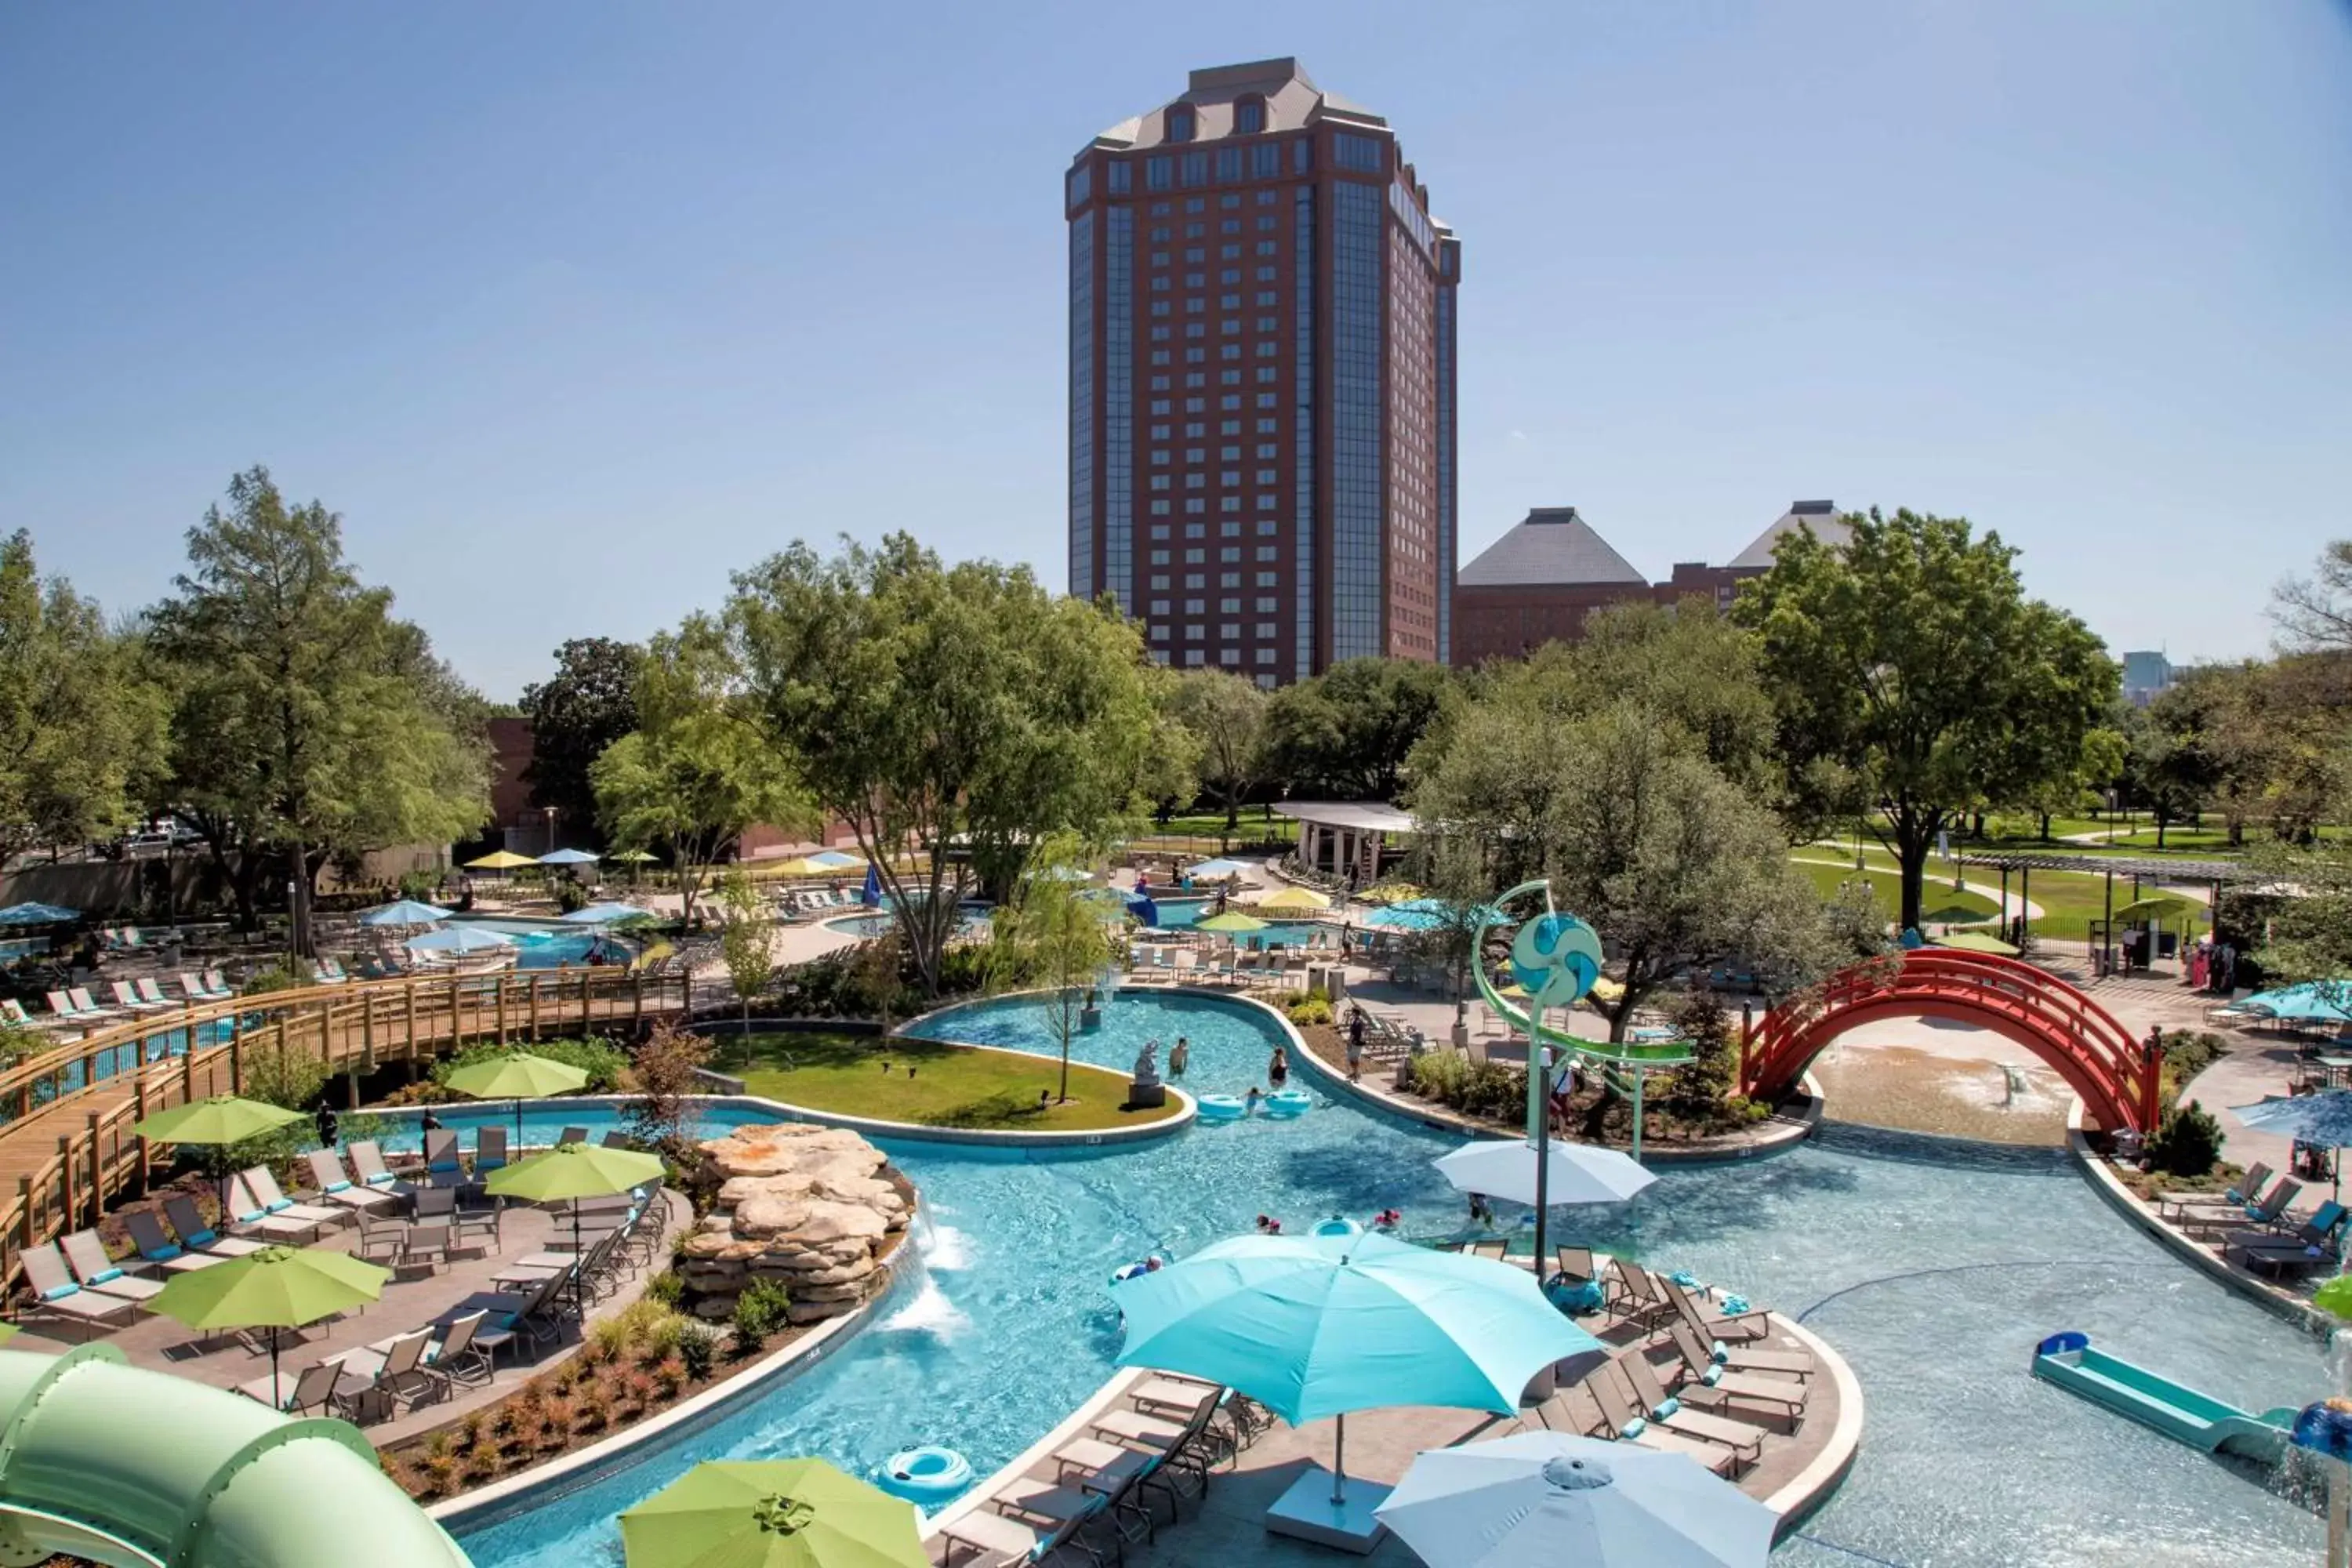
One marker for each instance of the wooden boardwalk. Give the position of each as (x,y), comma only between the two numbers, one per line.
(66,1145)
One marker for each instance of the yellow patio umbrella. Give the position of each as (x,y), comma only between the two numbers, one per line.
(810,865)
(502,860)
(1295,898)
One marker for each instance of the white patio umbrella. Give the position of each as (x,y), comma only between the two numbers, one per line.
(1544,1498)
(1578,1174)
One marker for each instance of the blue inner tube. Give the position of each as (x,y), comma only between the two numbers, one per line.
(928,1474)
(1289,1103)
(1219,1107)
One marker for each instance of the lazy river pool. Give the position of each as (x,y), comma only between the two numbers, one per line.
(1934,1267)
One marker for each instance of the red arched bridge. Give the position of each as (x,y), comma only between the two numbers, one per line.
(2097,1056)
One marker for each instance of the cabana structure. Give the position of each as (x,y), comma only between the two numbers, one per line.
(1338,838)
(2137,874)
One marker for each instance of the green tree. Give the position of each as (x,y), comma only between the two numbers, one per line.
(952,716)
(1057,935)
(746,937)
(575,715)
(1226,716)
(1346,734)
(307,722)
(1910,660)
(697,771)
(81,732)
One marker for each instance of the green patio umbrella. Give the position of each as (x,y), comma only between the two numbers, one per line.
(1976,941)
(276,1288)
(2158,907)
(223,1119)
(771,1513)
(1231,921)
(570,1172)
(517,1076)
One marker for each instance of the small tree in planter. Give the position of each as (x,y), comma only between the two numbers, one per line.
(666,1069)
(746,938)
(1059,938)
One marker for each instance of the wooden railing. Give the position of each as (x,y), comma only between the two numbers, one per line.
(66,1145)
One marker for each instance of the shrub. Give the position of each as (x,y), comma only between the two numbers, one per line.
(667,1288)
(1309,1010)
(570,895)
(698,1349)
(761,1310)
(2187,1143)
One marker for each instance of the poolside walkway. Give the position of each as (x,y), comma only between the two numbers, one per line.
(162,1345)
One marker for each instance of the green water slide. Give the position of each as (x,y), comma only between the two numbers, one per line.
(107,1462)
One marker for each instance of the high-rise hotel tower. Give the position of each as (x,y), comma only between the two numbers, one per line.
(1262,456)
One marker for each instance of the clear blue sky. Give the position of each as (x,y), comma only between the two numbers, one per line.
(572,310)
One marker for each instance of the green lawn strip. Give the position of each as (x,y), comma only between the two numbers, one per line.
(1940,905)
(951,1086)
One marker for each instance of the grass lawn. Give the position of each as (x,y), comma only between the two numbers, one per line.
(949,1086)
(1942,906)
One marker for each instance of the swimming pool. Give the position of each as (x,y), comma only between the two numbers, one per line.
(1933,1266)
(542,944)
(1182,914)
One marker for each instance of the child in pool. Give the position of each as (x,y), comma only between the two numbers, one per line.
(1252,1100)
(1178,1058)
(1268,1226)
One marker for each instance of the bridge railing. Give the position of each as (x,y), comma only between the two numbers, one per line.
(2092,1043)
(66,1145)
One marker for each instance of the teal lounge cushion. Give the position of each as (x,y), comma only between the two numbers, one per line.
(339,1186)
(203,1238)
(161,1255)
(1711,1376)
(1632,1429)
(280,1206)
(1719,1352)
(59,1292)
(1665,1408)
(248,1218)
(106,1275)
(382,1179)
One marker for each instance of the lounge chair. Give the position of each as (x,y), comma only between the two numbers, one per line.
(312,1388)
(2248,1188)
(367,1163)
(54,1292)
(75,1006)
(1705,1320)
(2313,1244)
(573,1135)
(1744,1438)
(247,1215)
(1009,1541)
(511,1315)
(1799,1364)
(218,986)
(263,1186)
(13,1011)
(150,990)
(2261,1214)
(195,990)
(425,1246)
(1709,1386)
(86,1256)
(335,1186)
(442,1166)
(129,1000)
(328,971)
(490,1149)
(1620,1422)
(153,1246)
(198,1237)
(385,1379)
(1493,1251)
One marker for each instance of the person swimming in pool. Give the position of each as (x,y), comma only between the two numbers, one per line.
(1252,1100)
(1277,1070)
(1268,1226)
(1180,1057)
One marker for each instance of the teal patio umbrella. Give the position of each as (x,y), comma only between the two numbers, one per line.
(459,939)
(1342,1320)
(406,912)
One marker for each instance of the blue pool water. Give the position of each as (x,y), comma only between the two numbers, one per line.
(1934,1269)
(1182,914)
(540,944)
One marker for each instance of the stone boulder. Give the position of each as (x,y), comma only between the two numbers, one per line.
(811,1208)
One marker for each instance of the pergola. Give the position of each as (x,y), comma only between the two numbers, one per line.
(2139,870)
(1344,837)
